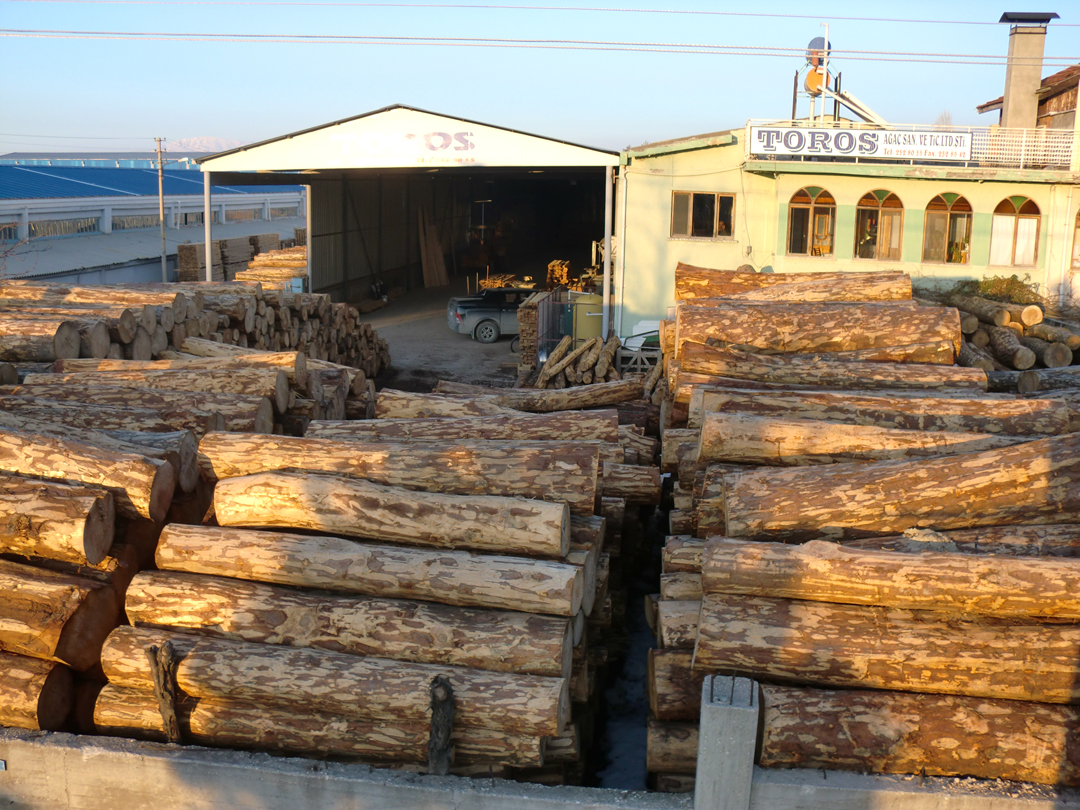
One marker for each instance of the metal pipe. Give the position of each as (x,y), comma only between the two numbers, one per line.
(161,206)
(207,229)
(624,182)
(307,233)
(605,323)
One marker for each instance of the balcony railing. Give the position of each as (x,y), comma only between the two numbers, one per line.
(991,147)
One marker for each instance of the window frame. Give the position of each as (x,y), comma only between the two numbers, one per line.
(880,209)
(716,237)
(813,208)
(950,216)
(1016,216)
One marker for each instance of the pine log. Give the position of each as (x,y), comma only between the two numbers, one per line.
(110,295)
(47,519)
(945,582)
(120,322)
(681,587)
(981,338)
(703,282)
(53,616)
(142,486)
(271,382)
(1028,382)
(459,578)
(635,483)
(1035,482)
(1055,334)
(238,412)
(682,553)
(93,334)
(858,646)
(1025,314)
(34,694)
(353,686)
(971,356)
(1060,540)
(566,362)
(362,509)
(606,359)
(674,688)
(697,358)
(990,312)
(677,623)
(133,713)
(141,346)
(294,364)
(404,630)
(936,735)
(852,287)
(1051,355)
(38,340)
(196,347)
(671,746)
(524,399)
(1016,417)
(561,426)
(740,438)
(115,571)
(560,472)
(393,404)
(817,327)
(1007,349)
(941,352)
(74,413)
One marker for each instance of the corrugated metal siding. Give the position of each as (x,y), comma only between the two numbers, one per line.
(38,182)
(325,241)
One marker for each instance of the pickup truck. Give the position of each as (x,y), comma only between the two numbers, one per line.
(488,315)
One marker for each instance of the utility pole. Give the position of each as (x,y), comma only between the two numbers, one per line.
(161,206)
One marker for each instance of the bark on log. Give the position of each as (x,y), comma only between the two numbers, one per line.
(358,508)
(403,630)
(38,341)
(76,414)
(740,438)
(855,646)
(563,426)
(294,364)
(674,688)
(941,352)
(990,312)
(937,735)
(703,282)
(1028,382)
(1052,355)
(353,686)
(93,334)
(948,583)
(557,472)
(980,338)
(607,357)
(1035,482)
(1055,334)
(143,486)
(671,746)
(238,412)
(537,401)
(1061,540)
(851,287)
(133,713)
(1008,350)
(1015,417)
(677,623)
(272,383)
(681,587)
(817,327)
(34,694)
(971,356)
(392,404)
(46,519)
(697,358)
(682,553)
(120,322)
(34,291)
(636,484)
(459,578)
(53,616)
(564,363)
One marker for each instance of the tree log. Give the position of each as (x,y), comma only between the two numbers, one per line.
(677,623)
(851,287)
(990,312)
(53,616)
(740,438)
(271,382)
(294,364)
(1028,382)
(1055,334)
(971,356)
(1035,482)
(359,508)
(31,290)
(525,399)
(681,587)
(635,483)
(703,282)
(945,582)
(142,486)
(34,694)
(697,358)
(76,414)
(353,686)
(1015,417)
(1061,540)
(93,334)
(936,735)
(682,553)
(816,327)
(674,688)
(392,404)
(1052,355)
(46,519)
(856,646)
(420,632)
(671,746)
(38,341)
(459,578)
(563,426)
(133,713)
(1007,349)
(941,352)
(120,322)
(561,472)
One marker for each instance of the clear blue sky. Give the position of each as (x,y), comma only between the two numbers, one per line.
(87,90)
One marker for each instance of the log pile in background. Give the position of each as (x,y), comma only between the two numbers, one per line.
(276,269)
(1014,335)
(229,256)
(896,446)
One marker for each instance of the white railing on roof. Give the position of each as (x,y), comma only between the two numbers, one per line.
(991,147)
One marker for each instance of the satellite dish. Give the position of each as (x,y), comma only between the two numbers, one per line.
(816,49)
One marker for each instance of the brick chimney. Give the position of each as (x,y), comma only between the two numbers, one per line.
(1023,76)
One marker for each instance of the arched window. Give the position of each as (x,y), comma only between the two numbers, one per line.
(947,235)
(879,219)
(811,222)
(1014,237)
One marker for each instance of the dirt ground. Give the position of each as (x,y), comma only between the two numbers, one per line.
(424,350)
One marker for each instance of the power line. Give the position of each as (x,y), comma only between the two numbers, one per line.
(493,7)
(588,45)
(76,137)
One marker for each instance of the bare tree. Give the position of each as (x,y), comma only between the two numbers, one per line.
(944,119)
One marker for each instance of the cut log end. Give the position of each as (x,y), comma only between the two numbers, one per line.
(161,492)
(99,529)
(264,417)
(67,341)
(56,699)
(85,632)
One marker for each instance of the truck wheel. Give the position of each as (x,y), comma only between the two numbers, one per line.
(487,332)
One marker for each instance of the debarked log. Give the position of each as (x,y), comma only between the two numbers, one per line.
(49,519)
(34,694)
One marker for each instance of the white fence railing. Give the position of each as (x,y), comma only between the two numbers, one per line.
(995,147)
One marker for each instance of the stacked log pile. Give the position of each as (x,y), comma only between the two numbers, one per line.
(229,256)
(1001,336)
(793,437)
(277,269)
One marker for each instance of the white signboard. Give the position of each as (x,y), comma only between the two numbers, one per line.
(889,144)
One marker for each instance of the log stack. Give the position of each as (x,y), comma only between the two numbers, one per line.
(896,436)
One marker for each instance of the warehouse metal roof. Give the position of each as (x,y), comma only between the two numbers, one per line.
(37,182)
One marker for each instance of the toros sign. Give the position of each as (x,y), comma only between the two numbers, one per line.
(888,144)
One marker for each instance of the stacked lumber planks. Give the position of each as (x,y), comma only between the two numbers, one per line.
(276,269)
(942,608)
(229,256)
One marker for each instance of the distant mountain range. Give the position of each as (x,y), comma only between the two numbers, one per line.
(202,145)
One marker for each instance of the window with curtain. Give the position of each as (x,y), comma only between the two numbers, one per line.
(947,230)
(1014,235)
(811,222)
(879,219)
(702,216)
